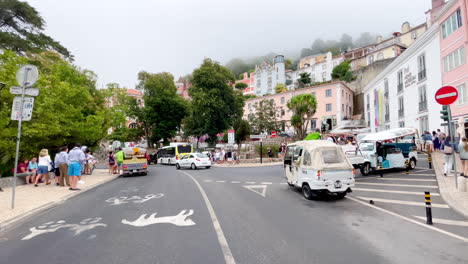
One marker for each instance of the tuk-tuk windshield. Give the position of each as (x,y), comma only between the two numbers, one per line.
(366,146)
(332,156)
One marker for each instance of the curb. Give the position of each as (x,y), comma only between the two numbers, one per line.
(8,224)
(443,193)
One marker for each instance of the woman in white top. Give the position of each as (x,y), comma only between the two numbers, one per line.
(463,148)
(43,166)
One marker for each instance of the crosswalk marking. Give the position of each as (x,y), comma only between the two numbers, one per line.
(392,191)
(412,174)
(402,202)
(207,180)
(235,181)
(266,183)
(220,181)
(406,179)
(250,182)
(445,221)
(396,185)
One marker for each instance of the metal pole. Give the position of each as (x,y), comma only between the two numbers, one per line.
(452,138)
(18,138)
(427,199)
(261,151)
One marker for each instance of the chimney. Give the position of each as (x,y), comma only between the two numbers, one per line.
(430,15)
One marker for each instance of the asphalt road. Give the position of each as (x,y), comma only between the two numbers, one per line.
(238,215)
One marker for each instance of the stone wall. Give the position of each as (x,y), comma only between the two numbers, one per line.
(8,181)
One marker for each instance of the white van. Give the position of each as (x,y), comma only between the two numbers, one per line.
(318,166)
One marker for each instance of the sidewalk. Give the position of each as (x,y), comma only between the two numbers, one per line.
(30,199)
(246,165)
(455,199)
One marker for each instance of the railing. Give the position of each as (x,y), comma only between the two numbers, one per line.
(401,113)
(423,106)
(400,87)
(422,75)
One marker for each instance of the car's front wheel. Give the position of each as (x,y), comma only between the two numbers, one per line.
(193,166)
(177,166)
(208,167)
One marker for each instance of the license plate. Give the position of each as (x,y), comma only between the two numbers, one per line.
(134,170)
(337,184)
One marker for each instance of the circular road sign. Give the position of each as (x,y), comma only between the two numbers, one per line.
(27,75)
(446,95)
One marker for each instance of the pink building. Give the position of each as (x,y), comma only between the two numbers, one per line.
(249,80)
(452,19)
(182,88)
(334,104)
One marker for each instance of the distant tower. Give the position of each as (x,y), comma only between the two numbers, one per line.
(280,75)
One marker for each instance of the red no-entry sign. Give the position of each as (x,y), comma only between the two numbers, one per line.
(446,95)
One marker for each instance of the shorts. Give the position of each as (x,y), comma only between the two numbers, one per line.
(43,169)
(119,164)
(74,169)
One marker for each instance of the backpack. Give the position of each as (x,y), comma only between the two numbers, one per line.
(111,159)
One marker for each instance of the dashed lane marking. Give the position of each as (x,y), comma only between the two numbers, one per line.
(445,221)
(235,181)
(266,183)
(220,181)
(250,182)
(392,191)
(208,181)
(406,179)
(397,185)
(402,202)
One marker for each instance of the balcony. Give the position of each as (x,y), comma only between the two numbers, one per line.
(422,106)
(422,75)
(401,113)
(400,87)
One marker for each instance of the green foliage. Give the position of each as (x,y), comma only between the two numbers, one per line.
(21,30)
(304,80)
(249,96)
(69,108)
(241,86)
(343,72)
(215,105)
(263,119)
(164,110)
(280,88)
(303,107)
(242,130)
(274,148)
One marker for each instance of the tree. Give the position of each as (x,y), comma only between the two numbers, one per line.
(318,46)
(346,42)
(164,109)
(303,107)
(280,88)
(215,105)
(242,130)
(304,79)
(241,86)
(263,119)
(21,30)
(238,67)
(364,39)
(343,72)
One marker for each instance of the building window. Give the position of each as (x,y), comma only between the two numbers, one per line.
(324,66)
(421,67)
(414,34)
(282,100)
(386,88)
(342,107)
(370,59)
(328,93)
(328,107)
(423,123)
(324,76)
(400,81)
(313,123)
(282,112)
(452,23)
(387,112)
(380,56)
(367,102)
(401,124)
(401,107)
(422,99)
(342,93)
(454,59)
(462,96)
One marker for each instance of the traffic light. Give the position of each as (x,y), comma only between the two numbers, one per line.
(444,113)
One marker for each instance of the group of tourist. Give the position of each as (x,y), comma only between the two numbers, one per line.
(221,156)
(66,168)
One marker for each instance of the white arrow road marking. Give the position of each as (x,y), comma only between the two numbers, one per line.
(179,219)
(391,191)
(396,185)
(402,202)
(445,221)
(254,188)
(406,179)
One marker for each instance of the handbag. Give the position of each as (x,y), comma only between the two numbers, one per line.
(448,150)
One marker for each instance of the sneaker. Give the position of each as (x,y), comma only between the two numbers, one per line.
(445,174)
(81,182)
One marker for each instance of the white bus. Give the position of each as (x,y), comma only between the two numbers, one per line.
(170,154)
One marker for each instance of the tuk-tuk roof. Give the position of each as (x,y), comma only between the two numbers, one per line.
(311,144)
(320,151)
(390,134)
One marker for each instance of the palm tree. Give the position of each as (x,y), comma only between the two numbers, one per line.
(303,107)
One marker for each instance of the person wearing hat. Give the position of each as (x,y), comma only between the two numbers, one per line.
(43,167)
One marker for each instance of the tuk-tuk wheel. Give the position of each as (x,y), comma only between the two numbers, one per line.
(412,164)
(307,192)
(365,169)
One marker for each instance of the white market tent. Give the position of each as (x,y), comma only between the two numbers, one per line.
(390,134)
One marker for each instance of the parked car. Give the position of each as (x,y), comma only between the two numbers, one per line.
(193,161)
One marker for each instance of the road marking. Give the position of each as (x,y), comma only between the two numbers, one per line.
(396,185)
(266,183)
(134,199)
(445,221)
(254,187)
(235,181)
(410,220)
(220,181)
(406,179)
(50,227)
(228,257)
(179,219)
(422,170)
(432,175)
(208,180)
(402,202)
(391,191)
(250,182)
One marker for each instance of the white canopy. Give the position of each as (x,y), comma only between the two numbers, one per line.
(323,155)
(390,134)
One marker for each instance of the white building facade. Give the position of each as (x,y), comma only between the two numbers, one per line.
(267,76)
(403,94)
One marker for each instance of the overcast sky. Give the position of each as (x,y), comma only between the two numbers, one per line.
(118,38)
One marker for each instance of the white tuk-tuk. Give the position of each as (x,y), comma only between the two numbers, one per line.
(318,166)
(391,148)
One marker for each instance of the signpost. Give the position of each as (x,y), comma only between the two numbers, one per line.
(231,139)
(447,95)
(22,107)
(273,134)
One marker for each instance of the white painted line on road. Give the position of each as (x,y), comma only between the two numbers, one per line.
(406,179)
(266,183)
(422,170)
(430,175)
(367,178)
(208,180)
(410,220)
(392,191)
(250,182)
(397,185)
(445,221)
(254,187)
(235,181)
(220,181)
(228,257)
(402,202)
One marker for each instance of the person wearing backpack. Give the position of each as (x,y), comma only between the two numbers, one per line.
(111,162)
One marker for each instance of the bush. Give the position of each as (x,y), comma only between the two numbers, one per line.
(275,149)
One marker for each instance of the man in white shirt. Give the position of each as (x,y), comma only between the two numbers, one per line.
(61,162)
(75,158)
